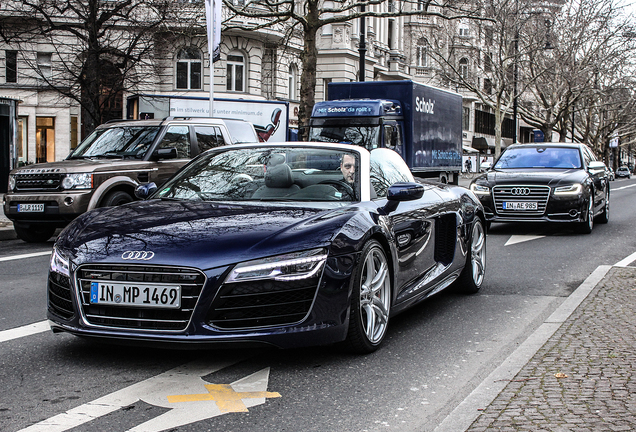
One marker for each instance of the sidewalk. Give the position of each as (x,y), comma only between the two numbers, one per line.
(577,377)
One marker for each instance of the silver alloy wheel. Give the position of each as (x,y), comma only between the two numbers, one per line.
(375,295)
(590,214)
(478,253)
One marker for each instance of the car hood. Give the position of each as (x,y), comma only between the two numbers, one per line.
(548,176)
(199,234)
(81,166)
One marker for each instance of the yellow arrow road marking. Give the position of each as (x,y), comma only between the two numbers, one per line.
(227,399)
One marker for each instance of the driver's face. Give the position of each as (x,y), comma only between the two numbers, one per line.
(348,168)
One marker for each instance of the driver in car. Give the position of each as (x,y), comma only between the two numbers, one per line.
(348,168)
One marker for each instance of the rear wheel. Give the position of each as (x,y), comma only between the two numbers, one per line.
(34,233)
(116,198)
(472,277)
(370,301)
(586,226)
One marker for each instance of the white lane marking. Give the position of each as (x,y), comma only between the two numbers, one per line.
(181,382)
(522,238)
(626,261)
(622,187)
(27,330)
(31,255)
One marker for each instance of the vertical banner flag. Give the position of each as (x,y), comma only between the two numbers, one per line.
(213,21)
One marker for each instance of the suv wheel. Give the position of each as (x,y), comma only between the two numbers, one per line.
(116,198)
(34,233)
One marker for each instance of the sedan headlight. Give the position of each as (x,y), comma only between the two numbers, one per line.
(11,183)
(574,189)
(288,267)
(59,263)
(78,181)
(479,189)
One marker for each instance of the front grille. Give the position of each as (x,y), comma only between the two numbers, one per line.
(445,238)
(262,303)
(521,193)
(134,317)
(59,288)
(38,181)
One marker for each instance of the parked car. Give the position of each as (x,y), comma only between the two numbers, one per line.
(623,172)
(105,168)
(610,174)
(546,182)
(288,244)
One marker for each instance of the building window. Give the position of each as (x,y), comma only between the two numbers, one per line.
(235,72)
(421,53)
(464,30)
(44,139)
(325,86)
(463,68)
(11,66)
(293,82)
(465,118)
(22,141)
(74,131)
(487,86)
(189,67)
(44,64)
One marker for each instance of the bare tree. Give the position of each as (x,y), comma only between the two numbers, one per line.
(307,17)
(100,48)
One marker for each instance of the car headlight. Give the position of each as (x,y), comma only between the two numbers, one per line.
(479,189)
(574,189)
(288,267)
(78,181)
(11,182)
(59,263)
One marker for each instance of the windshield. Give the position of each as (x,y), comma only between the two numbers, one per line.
(241,132)
(268,174)
(119,142)
(367,136)
(539,157)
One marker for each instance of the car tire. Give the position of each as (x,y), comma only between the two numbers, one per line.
(472,276)
(370,301)
(34,233)
(116,198)
(587,225)
(603,218)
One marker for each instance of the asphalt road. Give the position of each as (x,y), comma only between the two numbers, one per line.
(434,355)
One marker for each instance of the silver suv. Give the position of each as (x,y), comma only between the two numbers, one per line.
(107,166)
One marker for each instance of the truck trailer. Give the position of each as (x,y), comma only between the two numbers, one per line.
(422,123)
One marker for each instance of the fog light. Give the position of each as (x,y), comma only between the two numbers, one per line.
(68,201)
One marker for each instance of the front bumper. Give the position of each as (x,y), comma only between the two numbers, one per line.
(59,207)
(562,209)
(325,322)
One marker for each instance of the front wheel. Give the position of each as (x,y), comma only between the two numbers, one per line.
(34,233)
(116,198)
(370,301)
(603,218)
(472,277)
(587,225)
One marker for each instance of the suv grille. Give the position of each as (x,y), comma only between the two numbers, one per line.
(37,181)
(262,303)
(134,317)
(521,193)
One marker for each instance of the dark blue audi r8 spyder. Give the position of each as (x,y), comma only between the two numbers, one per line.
(290,244)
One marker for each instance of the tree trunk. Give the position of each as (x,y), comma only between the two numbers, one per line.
(309,59)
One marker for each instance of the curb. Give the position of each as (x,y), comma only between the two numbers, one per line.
(469,409)
(7,232)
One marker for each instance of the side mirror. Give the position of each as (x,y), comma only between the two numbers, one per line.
(402,192)
(145,190)
(165,153)
(596,166)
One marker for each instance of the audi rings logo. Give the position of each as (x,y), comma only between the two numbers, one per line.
(138,255)
(520,191)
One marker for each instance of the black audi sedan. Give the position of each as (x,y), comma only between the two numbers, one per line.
(289,244)
(546,182)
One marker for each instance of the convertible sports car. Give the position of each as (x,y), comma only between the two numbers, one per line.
(289,244)
(546,182)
